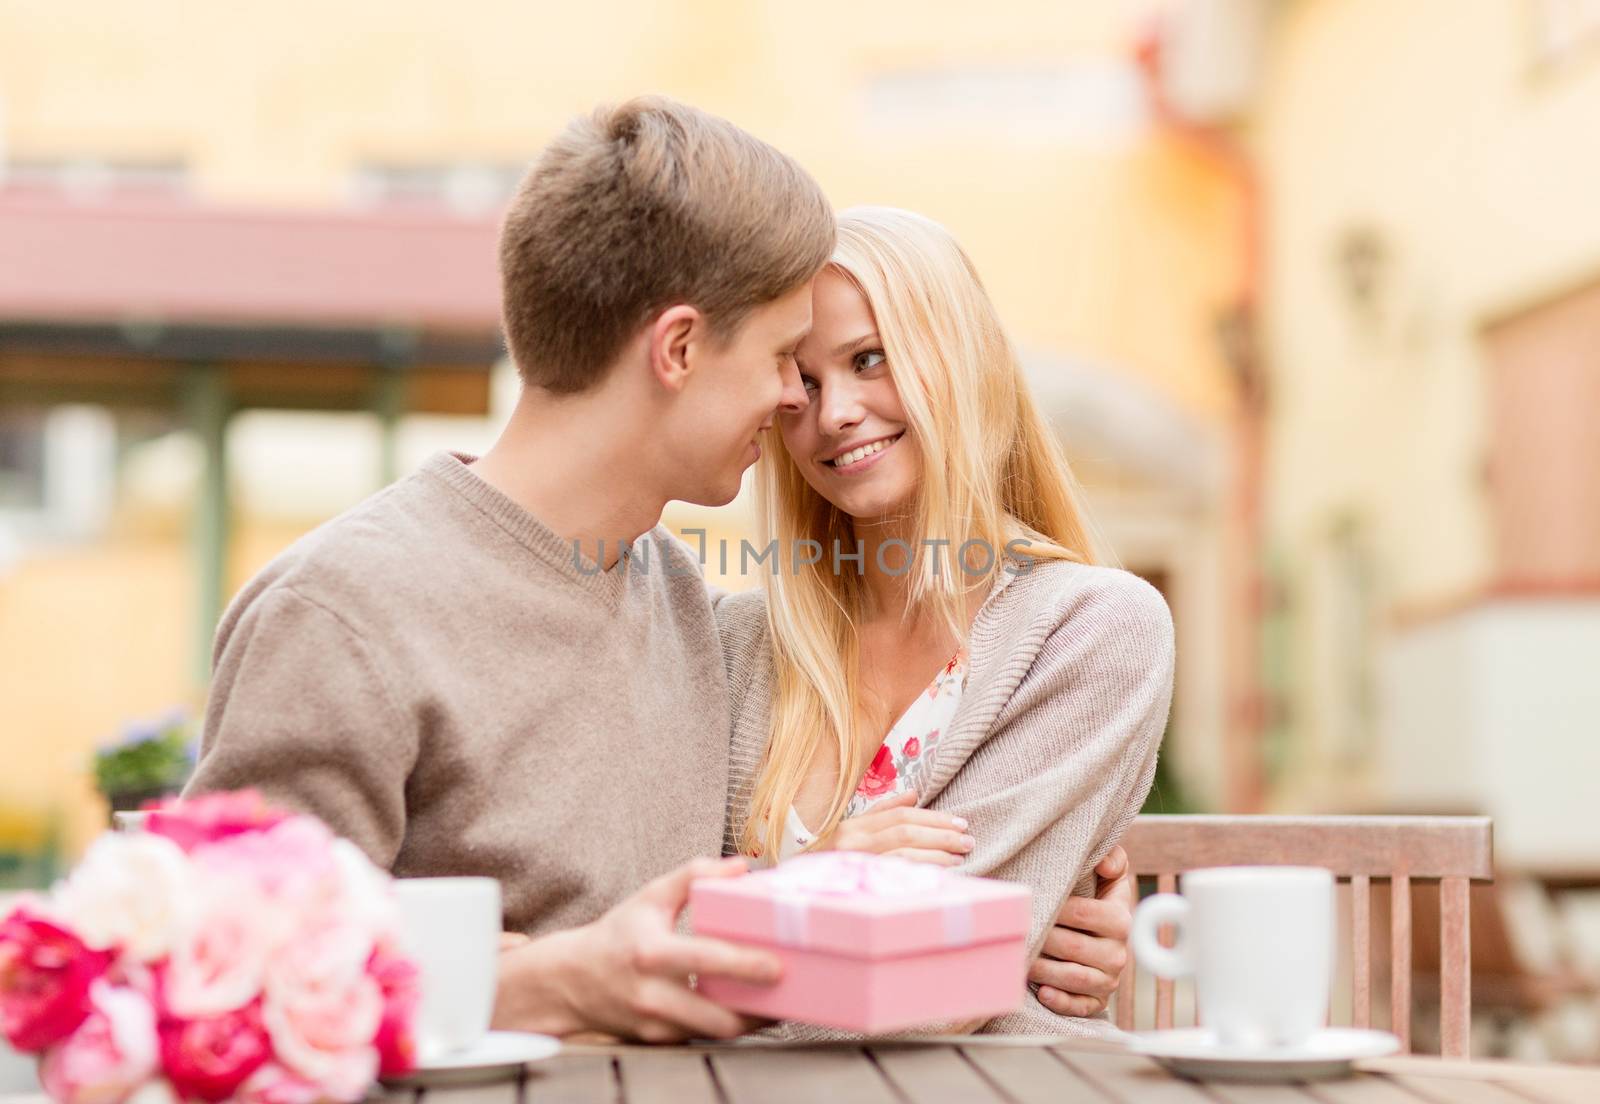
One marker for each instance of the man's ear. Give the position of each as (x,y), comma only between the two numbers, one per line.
(671,335)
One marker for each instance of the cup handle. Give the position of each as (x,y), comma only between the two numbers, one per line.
(1167,962)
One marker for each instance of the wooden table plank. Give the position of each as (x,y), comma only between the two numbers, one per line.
(666,1077)
(1560,1086)
(1032,1075)
(570,1079)
(499,1092)
(933,1075)
(1130,1078)
(781,1075)
(1363,1088)
(1457,1090)
(1231,1092)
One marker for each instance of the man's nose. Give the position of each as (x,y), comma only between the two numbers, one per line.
(793,398)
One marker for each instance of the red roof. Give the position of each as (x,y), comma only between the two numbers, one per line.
(183,262)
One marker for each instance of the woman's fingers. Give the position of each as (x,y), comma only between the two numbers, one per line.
(921,854)
(932,839)
(929,818)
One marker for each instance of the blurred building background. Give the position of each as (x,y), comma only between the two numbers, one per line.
(1310,287)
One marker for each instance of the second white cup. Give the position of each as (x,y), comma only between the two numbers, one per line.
(452,930)
(1258,941)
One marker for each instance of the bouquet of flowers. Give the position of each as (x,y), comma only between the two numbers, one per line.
(230,951)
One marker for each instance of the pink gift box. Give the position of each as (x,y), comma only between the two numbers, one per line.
(870,943)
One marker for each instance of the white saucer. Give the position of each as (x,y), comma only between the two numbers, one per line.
(1195,1053)
(497,1056)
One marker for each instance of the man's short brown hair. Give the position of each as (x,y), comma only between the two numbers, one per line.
(637,207)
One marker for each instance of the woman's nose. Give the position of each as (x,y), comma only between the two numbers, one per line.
(840,408)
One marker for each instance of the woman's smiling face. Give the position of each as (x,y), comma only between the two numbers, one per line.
(849,441)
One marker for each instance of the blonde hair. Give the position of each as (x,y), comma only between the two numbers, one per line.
(640,206)
(992,471)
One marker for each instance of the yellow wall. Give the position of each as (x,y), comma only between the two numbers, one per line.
(1429,122)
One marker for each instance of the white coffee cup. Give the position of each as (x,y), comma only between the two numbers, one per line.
(129,822)
(1258,941)
(452,931)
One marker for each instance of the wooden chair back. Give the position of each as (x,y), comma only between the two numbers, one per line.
(1400,850)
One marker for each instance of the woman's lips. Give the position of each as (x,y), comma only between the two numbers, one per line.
(866,462)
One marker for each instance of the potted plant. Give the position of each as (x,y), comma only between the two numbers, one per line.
(150,760)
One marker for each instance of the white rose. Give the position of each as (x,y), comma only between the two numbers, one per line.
(130,891)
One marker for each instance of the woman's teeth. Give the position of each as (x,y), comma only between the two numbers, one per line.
(861,453)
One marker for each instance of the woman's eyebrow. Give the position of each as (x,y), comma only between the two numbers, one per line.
(853,344)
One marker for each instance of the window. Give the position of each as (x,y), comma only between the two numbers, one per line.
(468,188)
(22,449)
(1544,460)
(95,177)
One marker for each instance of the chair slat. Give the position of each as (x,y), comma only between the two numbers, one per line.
(1400,958)
(1165,883)
(1125,990)
(1455,967)
(1361,950)
(1431,847)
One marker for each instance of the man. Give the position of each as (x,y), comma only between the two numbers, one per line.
(441,675)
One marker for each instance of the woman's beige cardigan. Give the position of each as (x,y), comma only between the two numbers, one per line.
(1050,753)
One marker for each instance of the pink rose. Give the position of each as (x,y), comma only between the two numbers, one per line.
(913,748)
(401,987)
(212,817)
(880,775)
(113,1051)
(323,1010)
(46,973)
(219,955)
(208,1058)
(277,1084)
(292,859)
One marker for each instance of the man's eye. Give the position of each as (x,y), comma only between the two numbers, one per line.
(868,359)
(810,384)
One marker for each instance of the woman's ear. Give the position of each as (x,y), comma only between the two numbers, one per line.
(670,337)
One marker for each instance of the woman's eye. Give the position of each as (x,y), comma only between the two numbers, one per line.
(809,383)
(868,359)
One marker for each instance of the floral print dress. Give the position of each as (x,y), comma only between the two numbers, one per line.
(897,767)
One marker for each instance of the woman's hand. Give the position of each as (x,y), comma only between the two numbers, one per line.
(1087,949)
(897,827)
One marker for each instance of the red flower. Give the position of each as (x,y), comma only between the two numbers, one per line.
(880,775)
(402,990)
(210,1057)
(913,748)
(200,820)
(45,974)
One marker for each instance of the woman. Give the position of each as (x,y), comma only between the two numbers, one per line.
(950,678)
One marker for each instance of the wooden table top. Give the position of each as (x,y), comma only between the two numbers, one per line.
(975,1071)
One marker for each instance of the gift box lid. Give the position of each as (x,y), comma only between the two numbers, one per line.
(860,906)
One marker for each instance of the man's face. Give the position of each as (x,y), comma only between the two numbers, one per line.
(732,394)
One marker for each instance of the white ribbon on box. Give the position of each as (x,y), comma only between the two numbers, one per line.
(802,879)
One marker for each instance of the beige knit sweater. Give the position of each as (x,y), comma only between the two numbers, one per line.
(1050,753)
(433,675)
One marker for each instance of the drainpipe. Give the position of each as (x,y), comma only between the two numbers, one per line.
(1238,333)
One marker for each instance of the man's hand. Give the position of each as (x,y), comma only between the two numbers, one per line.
(629,972)
(1085,953)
